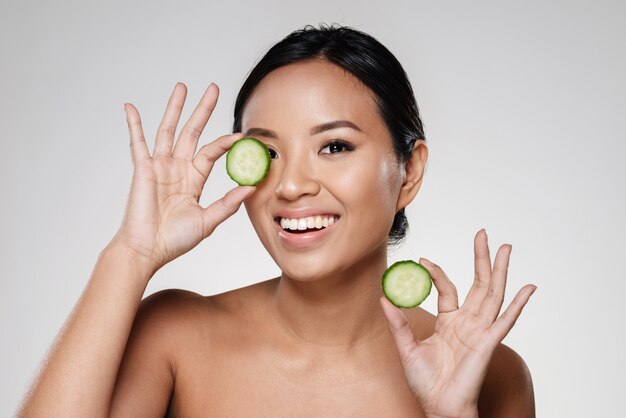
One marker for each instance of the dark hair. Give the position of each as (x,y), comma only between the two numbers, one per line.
(369,61)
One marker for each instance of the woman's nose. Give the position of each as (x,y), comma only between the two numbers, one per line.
(296,180)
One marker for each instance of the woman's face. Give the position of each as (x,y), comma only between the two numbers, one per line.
(333,167)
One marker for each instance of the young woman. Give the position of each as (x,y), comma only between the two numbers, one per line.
(339,116)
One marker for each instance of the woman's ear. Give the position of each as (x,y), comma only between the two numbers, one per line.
(414,173)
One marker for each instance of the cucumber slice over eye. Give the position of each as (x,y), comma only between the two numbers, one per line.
(248,161)
(406,284)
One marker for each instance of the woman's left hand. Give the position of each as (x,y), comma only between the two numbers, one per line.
(446,371)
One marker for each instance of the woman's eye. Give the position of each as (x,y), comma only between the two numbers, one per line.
(335,147)
(273,154)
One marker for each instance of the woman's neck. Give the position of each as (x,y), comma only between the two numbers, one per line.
(339,311)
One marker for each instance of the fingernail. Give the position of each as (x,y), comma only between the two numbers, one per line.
(424,261)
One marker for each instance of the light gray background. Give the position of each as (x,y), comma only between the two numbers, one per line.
(523,105)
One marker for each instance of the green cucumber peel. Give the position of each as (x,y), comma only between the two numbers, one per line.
(406,284)
(248,161)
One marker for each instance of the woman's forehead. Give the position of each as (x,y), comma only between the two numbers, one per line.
(310,92)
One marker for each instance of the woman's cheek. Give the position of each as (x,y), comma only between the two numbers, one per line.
(369,190)
(377,183)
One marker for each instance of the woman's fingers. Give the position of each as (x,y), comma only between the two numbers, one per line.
(209,153)
(492,301)
(482,273)
(138,147)
(505,322)
(448,299)
(167,129)
(399,327)
(221,209)
(190,134)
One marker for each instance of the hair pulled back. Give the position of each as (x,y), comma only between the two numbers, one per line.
(369,61)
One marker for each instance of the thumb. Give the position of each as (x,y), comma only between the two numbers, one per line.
(218,211)
(400,329)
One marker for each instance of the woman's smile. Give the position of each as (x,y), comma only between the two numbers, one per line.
(302,228)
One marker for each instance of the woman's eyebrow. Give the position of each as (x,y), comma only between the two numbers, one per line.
(261,132)
(334,125)
(327,126)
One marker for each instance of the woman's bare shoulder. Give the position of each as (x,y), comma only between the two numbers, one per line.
(148,369)
(171,308)
(508,387)
(167,317)
(178,311)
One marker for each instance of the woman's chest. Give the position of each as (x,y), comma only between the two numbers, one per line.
(249,382)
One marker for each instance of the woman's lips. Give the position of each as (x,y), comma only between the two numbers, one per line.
(303,238)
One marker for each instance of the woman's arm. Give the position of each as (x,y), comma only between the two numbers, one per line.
(78,375)
(163,220)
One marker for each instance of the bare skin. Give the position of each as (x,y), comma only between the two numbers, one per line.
(242,362)
(317,341)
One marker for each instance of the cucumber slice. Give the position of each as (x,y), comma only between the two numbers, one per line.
(248,161)
(406,284)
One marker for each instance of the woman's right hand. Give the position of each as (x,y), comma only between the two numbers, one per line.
(163,218)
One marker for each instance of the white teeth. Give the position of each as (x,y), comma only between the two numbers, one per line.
(311,222)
